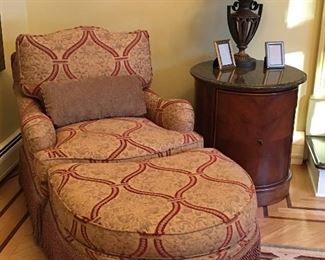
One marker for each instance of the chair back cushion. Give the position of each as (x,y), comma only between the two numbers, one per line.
(80,53)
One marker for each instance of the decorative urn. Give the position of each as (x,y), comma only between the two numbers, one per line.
(243,19)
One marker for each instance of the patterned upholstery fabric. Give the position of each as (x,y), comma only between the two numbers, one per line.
(194,204)
(81,52)
(172,114)
(249,249)
(113,139)
(37,128)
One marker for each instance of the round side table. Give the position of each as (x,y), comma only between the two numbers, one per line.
(249,116)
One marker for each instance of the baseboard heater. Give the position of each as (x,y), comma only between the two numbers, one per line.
(9,153)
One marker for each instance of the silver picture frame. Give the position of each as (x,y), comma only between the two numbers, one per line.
(274,53)
(225,55)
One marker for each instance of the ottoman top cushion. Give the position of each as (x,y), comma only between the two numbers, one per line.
(185,205)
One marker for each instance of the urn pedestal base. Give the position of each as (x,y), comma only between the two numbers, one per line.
(244,61)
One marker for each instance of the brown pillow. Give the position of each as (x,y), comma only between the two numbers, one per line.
(93,98)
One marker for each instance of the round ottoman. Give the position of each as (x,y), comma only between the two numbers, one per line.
(193,205)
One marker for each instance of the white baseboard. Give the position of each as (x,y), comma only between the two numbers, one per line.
(9,153)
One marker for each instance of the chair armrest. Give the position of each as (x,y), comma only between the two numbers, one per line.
(37,128)
(172,114)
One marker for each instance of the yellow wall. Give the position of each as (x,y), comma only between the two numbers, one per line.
(181,31)
(13,21)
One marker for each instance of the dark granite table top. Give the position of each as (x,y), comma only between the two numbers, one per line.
(256,79)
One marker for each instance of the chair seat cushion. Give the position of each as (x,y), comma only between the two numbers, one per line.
(196,203)
(112,139)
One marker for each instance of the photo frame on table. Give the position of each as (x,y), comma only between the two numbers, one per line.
(225,56)
(274,55)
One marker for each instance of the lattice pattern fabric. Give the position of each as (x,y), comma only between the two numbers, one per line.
(111,140)
(244,250)
(79,53)
(69,54)
(37,128)
(172,114)
(192,204)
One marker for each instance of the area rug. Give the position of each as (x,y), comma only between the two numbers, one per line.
(287,253)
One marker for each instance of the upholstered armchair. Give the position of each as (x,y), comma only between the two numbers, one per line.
(77,54)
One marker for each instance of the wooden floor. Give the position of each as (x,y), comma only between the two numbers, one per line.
(297,221)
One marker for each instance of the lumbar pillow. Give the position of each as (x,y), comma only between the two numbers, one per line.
(93,98)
